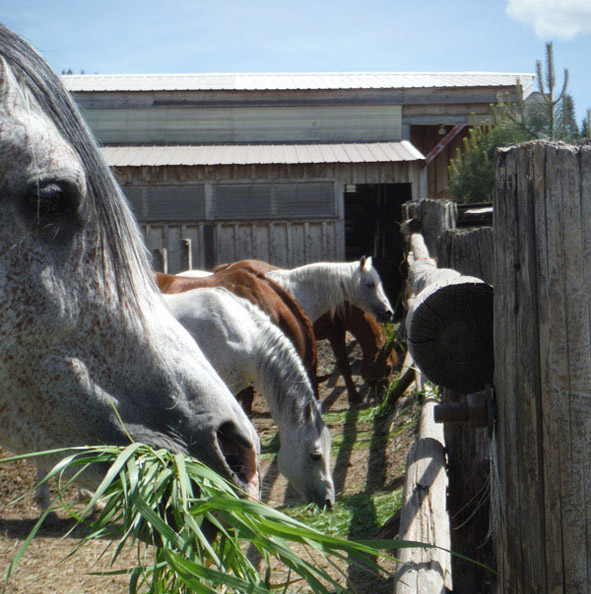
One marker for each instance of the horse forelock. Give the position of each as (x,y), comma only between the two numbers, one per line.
(118,234)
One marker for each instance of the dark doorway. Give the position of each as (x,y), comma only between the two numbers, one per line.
(373,215)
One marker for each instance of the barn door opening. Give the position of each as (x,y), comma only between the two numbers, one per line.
(373,215)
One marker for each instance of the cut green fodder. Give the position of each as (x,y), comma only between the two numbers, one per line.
(171,502)
(354,515)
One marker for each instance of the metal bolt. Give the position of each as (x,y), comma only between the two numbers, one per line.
(473,410)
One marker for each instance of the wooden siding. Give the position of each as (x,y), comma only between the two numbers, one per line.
(204,245)
(343,173)
(284,242)
(246,124)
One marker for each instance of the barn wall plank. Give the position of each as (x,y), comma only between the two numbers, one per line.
(285,244)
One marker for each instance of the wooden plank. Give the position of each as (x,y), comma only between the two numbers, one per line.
(423,516)
(279,242)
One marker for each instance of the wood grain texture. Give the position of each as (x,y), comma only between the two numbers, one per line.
(543,368)
(469,252)
(423,516)
(449,323)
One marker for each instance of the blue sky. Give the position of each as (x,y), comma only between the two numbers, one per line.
(158,36)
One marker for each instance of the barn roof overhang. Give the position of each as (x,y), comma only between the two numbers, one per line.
(262,154)
(293,81)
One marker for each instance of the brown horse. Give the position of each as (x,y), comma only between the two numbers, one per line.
(275,301)
(379,358)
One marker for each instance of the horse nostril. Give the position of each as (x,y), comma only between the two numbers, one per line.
(385,316)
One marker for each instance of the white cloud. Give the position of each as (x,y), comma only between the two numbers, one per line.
(552,18)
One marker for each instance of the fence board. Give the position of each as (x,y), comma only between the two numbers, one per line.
(423,515)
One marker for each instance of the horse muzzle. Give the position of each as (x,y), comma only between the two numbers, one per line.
(385,316)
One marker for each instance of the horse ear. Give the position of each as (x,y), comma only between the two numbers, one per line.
(7,83)
(365,263)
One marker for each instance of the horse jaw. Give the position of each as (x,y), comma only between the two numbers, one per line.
(368,293)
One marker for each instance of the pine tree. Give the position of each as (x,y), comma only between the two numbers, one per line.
(569,130)
(586,126)
(555,128)
(550,116)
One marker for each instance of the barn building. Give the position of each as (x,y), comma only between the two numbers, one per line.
(288,168)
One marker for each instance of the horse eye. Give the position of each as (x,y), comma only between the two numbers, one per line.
(49,206)
(316,456)
(51,200)
(370,284)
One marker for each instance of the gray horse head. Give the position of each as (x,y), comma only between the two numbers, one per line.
(89,353)
(304,457)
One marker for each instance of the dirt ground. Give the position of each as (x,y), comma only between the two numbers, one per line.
(47,569)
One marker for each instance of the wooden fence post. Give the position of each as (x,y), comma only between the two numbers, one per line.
(541,476)
(449,321)
(469,251)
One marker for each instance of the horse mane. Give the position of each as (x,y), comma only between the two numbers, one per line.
(286,297)
(119,237)
(335,286)
(310,355)
(284,366)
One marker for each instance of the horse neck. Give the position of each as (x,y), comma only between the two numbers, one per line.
(320,286)
(281,377)
(368,333)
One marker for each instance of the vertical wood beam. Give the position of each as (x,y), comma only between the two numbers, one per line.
(542,478)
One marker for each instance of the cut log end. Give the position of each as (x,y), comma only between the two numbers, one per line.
(451,336)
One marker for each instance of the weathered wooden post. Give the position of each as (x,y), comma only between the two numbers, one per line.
(449,329)
(449,322)
(542,473)
(160,260)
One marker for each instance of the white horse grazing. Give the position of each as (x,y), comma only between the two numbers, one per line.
(320,286)
(323,285)
(247,349)
(86,341)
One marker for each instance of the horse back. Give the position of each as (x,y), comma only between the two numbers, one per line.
(250,264)
(276,302)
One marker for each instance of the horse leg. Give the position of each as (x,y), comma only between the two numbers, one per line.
(245,398)
(339,347)
(42,497)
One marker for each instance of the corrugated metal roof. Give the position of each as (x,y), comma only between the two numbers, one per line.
(263,154)
(303,81)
